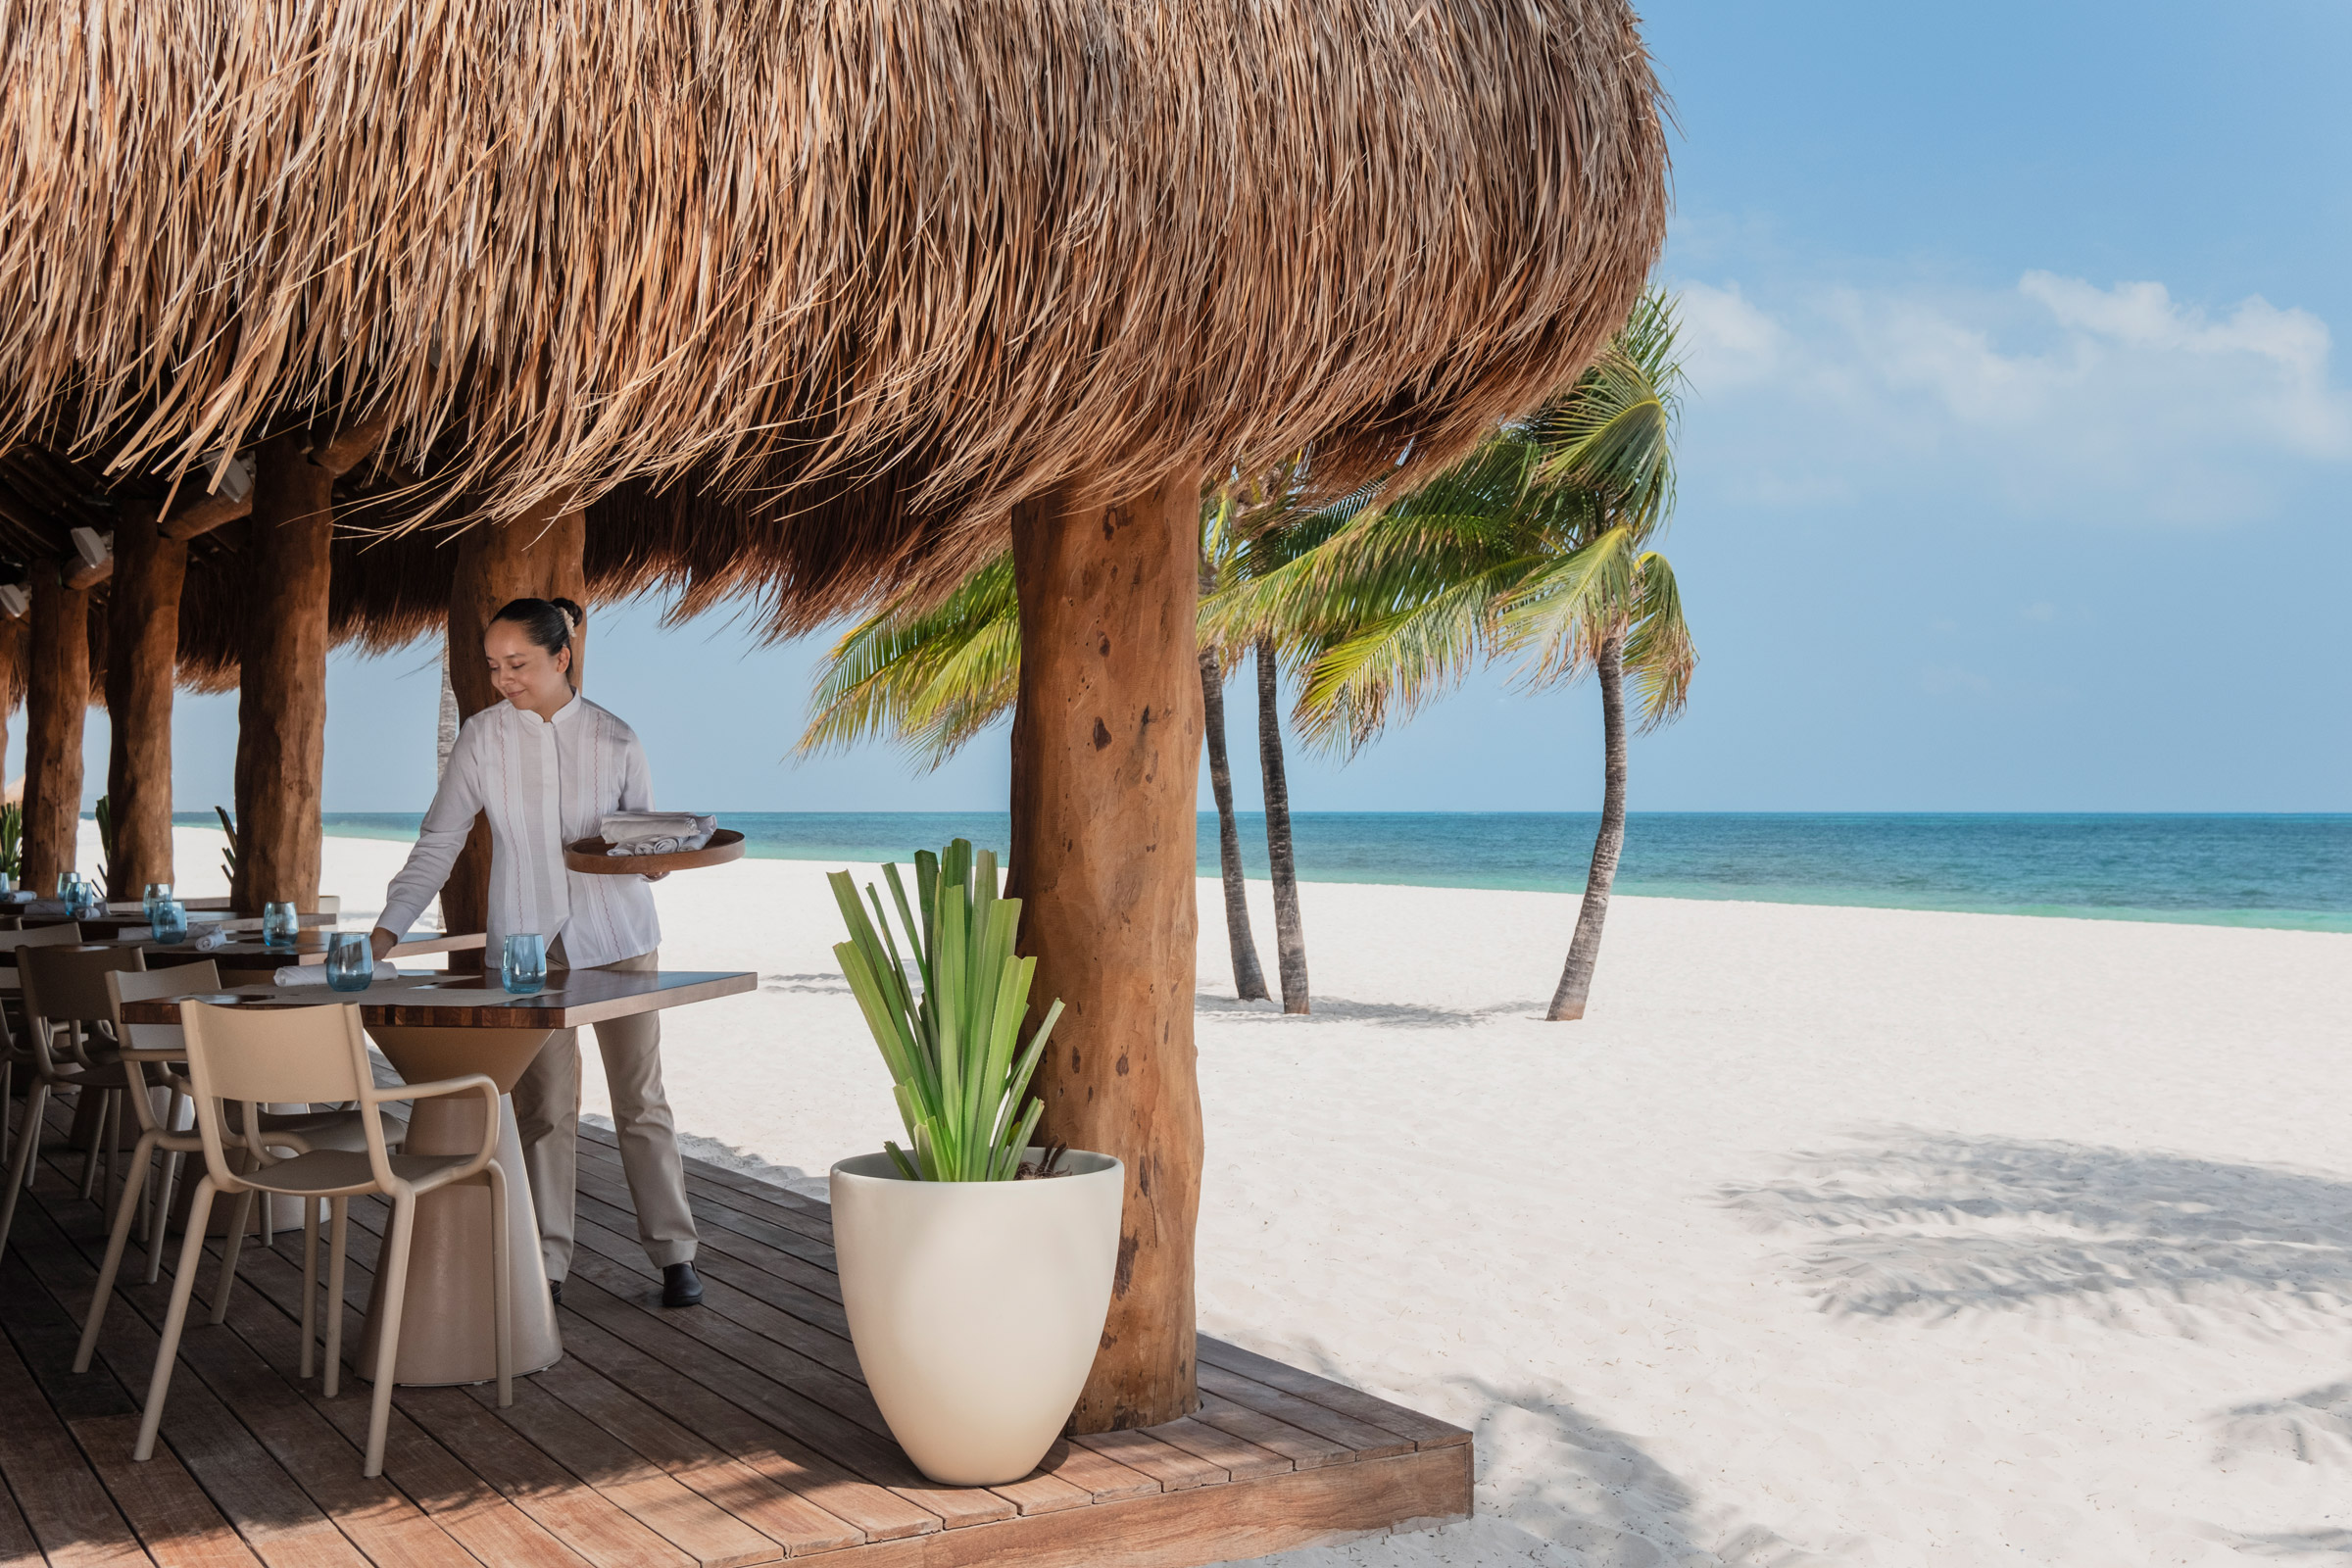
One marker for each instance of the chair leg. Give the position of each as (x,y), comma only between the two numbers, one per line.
(310,1281)
(395,1267)
(230,1247)
(338,1234)
(20,1175)
(8,1071)
(116,1237)
(167,1355)
(89,1160)
(163,1214)
(502,1305)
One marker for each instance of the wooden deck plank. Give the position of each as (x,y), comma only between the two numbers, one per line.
(1323,1507)
(742,1263)
(176,1520)
(777,1512)
(17,1548)
(1106,1478)
(449,1493)
(76,1524)
(580,1516)
(774,1452)
(1038,1493)
(700,1346)
(1366,1441)
(1424,1431)
(605,1144)
(724,1291)
(1173,1468)
(733,1435)
(1307,1450)
(1241,1459)
(648,1494)
(278,1520)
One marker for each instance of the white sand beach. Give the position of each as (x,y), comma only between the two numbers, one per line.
(1835,1236)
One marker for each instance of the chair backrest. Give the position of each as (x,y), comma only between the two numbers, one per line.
(259,1056)
(68,935)
(67,985)
(145,985)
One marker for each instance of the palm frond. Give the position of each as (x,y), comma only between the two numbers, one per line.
(1658,652)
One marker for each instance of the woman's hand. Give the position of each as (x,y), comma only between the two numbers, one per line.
(653,876)
(382,942)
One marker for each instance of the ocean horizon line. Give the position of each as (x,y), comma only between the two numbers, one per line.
(2277,870)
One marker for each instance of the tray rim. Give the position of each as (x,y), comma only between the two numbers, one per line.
(726,845)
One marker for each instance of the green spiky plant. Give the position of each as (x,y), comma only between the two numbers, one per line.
(228,857)
(952,1051)
(106,846)
(12,841)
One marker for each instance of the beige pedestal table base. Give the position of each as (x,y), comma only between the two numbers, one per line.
(449,1320)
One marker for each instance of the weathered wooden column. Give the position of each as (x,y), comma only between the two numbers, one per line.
(281,688)
(56,697)
(542,556)
(1105,769)
(142,659)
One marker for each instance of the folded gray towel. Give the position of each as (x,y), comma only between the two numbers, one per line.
(643,827)
(666,846)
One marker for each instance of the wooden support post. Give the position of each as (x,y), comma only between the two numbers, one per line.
(538,557)
(281,693)
(1105,769)
(56,697)
(141,662)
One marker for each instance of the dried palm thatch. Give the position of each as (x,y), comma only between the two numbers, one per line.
(804,294)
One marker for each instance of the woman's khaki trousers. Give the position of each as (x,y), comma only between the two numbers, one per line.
(547,1113)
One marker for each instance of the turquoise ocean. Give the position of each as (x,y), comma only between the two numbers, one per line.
(2286,871)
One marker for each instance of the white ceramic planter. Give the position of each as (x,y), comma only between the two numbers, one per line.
(976,1306)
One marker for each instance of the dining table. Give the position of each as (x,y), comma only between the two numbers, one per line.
(432,1026)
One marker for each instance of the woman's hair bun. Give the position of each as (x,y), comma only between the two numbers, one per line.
(546,622)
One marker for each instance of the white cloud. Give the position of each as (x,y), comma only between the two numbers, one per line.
(2056,398)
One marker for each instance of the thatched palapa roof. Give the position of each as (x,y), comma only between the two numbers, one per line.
(802,298)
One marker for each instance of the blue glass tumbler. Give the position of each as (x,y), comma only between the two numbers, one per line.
(350,962)
(279,926)
(157,893)
(523,967)
(169,920)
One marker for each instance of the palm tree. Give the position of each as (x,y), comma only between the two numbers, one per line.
(1535,547)
(934,678)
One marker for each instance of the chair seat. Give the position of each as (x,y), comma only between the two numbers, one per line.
(106,1075)
(326,1171)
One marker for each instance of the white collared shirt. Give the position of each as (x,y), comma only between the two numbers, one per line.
(544,784)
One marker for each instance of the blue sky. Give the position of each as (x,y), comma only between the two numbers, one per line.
(2013,470)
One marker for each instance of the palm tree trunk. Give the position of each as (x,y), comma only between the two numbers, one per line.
(1290,939)
(1249,981)
(1584,950)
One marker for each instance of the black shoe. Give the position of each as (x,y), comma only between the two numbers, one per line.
(681,1286)
(554,1291)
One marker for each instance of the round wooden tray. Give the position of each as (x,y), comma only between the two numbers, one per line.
(590,856)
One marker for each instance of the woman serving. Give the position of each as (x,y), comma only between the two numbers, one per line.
(547,765)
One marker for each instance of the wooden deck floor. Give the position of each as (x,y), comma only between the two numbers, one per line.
(733,1434)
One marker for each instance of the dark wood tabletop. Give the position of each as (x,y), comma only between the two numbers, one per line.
(572,998)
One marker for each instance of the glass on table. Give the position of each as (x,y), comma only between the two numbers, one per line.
(350,962)
(157,893)
(523,965)
(69,886)
(280,925)
(167,920)
(87,903)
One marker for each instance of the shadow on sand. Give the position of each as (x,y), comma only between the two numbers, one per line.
(1937,1224)
(1388,1014)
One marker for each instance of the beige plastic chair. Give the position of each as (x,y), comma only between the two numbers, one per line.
(156,1048)
(64,990)
(13,1055)
(252,1056)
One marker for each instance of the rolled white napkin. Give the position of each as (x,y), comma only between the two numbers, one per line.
(300,975)
(209,940)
